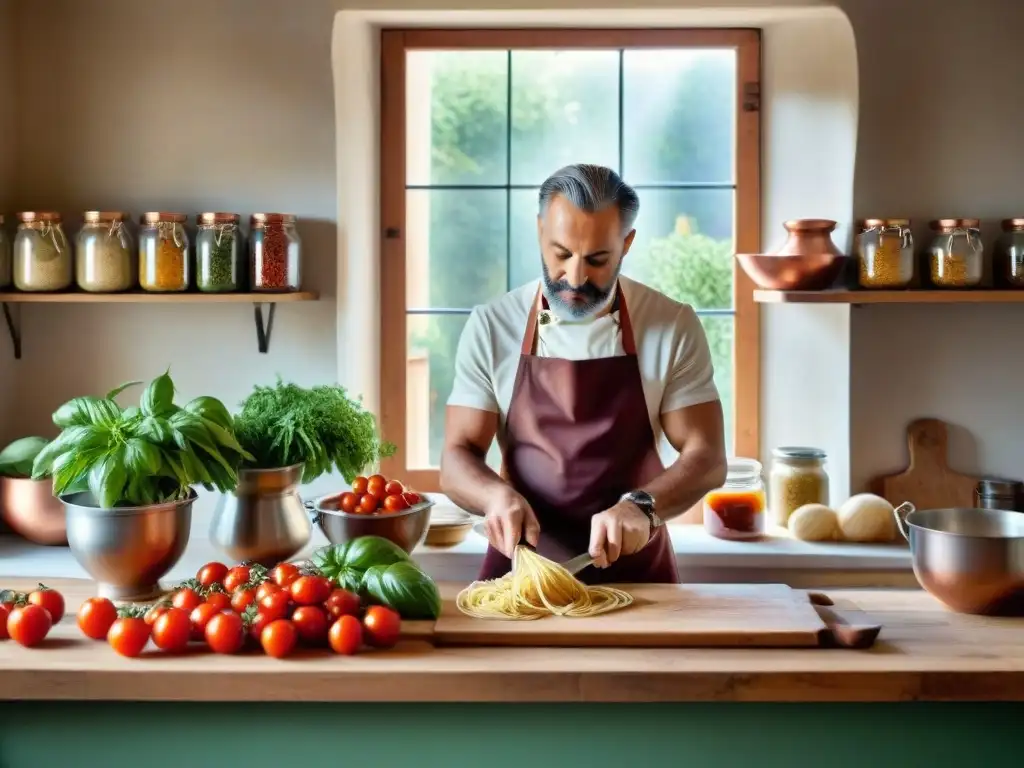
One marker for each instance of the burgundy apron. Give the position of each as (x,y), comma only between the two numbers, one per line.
(577,437)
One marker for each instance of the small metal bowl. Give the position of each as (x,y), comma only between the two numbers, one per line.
(407,528)
(31,510)
(813,272)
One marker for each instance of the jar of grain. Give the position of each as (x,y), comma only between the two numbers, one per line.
(275,253)
(1008,261)
(798,477)
(885,253)
(42,253)
(955,258)
(163,252)
(104,253)
(5,256)
(736,510)
(218,253)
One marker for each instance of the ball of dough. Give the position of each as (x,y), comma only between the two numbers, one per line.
(866,517)
(814,522)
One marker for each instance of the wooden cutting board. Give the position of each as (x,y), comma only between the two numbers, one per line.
(928,483)
(663,615)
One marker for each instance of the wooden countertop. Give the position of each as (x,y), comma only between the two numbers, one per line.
(924,652)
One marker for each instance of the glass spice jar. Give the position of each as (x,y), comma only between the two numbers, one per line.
(797,477)
(885,253)
(736,510)
(218,253)
(42,253)
(955,257)
(103,262)
(275,253)
(163,252)
(1008,262)
(5,256)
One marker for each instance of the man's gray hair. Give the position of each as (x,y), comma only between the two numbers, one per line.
(591,188)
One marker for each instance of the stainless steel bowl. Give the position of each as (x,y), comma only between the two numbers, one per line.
(407,528)
(127,549)
(970,559)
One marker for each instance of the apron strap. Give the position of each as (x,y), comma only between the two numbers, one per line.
(625,324)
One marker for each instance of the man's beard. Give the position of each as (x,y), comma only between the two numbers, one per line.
(579,303)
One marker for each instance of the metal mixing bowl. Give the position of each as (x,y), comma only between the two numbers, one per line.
(31,510)
(792,273)
(127,549)
(970,559)
(407,528)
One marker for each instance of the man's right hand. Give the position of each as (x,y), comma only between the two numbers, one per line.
(508,518)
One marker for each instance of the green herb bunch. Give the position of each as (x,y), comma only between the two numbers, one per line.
(319,428)
(141,455)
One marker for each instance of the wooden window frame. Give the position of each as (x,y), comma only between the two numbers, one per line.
(393,333)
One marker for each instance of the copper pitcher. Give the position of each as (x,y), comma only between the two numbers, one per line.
(809,237)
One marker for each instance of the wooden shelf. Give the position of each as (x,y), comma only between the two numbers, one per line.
(264,324)
(889,297)
(141,297)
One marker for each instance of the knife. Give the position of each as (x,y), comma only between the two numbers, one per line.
(578,563)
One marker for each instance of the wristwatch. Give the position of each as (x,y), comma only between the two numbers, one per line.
(643,501)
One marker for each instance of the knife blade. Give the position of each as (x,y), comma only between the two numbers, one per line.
(578,563)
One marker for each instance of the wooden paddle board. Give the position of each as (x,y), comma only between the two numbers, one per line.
(928,483)
(662,616)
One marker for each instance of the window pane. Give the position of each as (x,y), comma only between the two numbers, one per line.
(525,251)
(455,249)
(683,245)
(719,330)
(565,109)
(456,117)
(679,110)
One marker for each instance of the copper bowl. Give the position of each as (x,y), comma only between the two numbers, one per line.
(31,510)
(812,272)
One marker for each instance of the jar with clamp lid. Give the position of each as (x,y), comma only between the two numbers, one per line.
(218,253)
(885,253)
(163,252)
(103,261)
(797,478)
(737,509)
(275,253)
(956,254)
(42,253)
(1008,260)
(5,256)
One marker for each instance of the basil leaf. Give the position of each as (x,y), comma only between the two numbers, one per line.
(70,470)
(108,477)
(142,458)
(18,458)
(224,437)
(404,588)
(82,411)
(367,551)
(194,468)
(212,409)
(158,397)
(118,390)
(155,430)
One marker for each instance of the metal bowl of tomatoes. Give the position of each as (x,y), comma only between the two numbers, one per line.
(374,506)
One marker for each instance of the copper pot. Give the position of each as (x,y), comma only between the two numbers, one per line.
(31,510)
(809,237)
(807,261)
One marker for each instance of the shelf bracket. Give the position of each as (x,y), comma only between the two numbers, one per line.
(13,318)
(264,327)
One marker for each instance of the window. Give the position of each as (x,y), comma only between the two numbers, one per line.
(473,121)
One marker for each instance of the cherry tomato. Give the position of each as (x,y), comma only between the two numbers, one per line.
(258,623)
(172,630)
(284,574)
(95,617)
(186,599)
(212,573)
(311,624)
(393,488)
(225,633)
(382,626)
(359,485)
(219,599)
(349,502)
(199,616)
(28,624)
(412,499)
(242,599)
(278,638)
(340,603)
(345,635)
(276,604)
(4,613)
(375,486)
(310,590)
(395,504)
(129,636)
(50,599)
(266,588)
(367,504)
(155,613)
(236,577)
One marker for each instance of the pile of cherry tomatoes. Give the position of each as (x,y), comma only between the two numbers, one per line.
(375,495)
(225,608)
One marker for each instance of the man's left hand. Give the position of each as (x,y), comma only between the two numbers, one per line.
(621,530)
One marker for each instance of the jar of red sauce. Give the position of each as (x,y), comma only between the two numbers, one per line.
(737,509)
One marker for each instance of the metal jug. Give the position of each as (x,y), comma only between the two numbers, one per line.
(264,520)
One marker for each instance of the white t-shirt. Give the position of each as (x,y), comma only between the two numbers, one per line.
(672,351)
